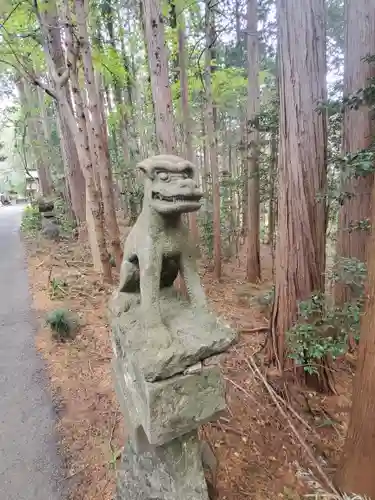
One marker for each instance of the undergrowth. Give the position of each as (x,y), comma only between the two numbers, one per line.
(65,220)
(63,325)
(31,220)
(323,329)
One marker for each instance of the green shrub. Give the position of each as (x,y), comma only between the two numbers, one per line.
(63,217)
(62,324)
(58,288)
(322,330)
(266,299)
(31,220)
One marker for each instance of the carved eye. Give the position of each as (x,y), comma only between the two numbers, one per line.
(163,176)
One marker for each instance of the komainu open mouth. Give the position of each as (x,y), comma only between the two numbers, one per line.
(174,199)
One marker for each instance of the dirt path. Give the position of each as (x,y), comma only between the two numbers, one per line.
(29,463)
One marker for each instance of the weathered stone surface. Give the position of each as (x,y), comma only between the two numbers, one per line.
(49,215)
(170,472)
(45,205)
(195,335)
(158,248)
(50,230)
(168,408)
(162,344)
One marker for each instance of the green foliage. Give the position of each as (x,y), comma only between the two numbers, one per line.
(58,288)
(109,62)
(31,220)
(229,87)
(350,272)
(63,325)
(206,227)
(359,225)
(313,337)
(2,157)
(322,329)
(359,164)
(266,299)
(63,217)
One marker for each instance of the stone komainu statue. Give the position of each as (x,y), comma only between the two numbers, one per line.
(164,345)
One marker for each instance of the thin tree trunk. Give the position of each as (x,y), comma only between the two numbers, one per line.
(210,130)
(73,170)
(158,63)
(185,112)
(252,153)
(272,178)
(101,155)
(59,74)
(29,102)
(43,130)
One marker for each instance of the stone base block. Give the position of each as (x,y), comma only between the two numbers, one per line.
(163,410)
(170,472)
(196,335)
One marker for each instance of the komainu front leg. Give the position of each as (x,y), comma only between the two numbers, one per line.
(150,264)
(192,280)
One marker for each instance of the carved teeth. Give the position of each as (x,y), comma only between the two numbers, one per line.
(174,199)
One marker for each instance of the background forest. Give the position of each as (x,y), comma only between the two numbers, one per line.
(274,102)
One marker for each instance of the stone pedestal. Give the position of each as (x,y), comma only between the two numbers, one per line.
(165,395)
(169,472)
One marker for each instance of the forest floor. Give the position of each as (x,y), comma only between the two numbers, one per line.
(259,456)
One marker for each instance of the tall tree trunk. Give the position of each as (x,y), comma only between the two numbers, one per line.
(252,153)
(185,112)
(117,87)
(29,101)
(271,203)
(302,175)
(43,129)
(73,169)
(210,130)
(355,475)
(59,74)
(358,133)
(158,63)
(98,129)
(73,172)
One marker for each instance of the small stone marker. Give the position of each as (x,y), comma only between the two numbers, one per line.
(163,343)
(50,226)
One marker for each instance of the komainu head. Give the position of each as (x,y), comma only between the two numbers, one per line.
(170,186)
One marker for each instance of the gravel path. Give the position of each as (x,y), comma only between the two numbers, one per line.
(29,464)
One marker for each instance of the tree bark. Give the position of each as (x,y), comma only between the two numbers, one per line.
(210,131)
(185,112)
(73,172)
(73,169)
(358,133)
(302,175)
(272,183)
(158,63)
(29,103)
(252,153)
(43,130)
(103,166)
(355,474)
(49,25)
